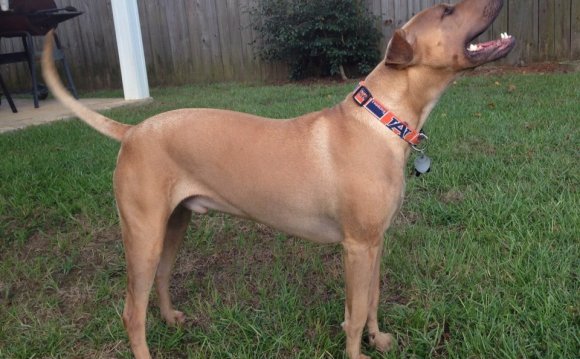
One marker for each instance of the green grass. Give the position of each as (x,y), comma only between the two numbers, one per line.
(482,262)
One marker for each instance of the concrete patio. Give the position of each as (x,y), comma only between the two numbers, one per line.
(50,110)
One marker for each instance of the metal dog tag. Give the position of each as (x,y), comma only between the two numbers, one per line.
(422,164)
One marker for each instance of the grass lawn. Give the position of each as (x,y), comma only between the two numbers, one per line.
(482,262)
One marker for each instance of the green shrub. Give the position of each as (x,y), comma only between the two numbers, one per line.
(317,37)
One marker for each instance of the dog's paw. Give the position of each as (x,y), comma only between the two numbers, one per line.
(174,317)
(382,341)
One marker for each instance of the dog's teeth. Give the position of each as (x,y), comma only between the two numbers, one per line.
(473,47)
(504,35)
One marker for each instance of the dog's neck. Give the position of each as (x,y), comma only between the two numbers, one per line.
(410,93)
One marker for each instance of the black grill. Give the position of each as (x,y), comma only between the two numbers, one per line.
(28,18)
(35,17)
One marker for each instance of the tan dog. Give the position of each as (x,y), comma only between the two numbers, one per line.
(334,176)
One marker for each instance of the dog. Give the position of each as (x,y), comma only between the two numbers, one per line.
(333,176)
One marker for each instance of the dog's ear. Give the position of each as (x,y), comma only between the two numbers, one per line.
(400,52)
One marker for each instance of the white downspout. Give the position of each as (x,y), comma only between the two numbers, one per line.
(130,49)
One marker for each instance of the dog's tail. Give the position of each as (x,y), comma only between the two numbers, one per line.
(104,125)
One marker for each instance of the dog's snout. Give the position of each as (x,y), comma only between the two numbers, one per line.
(492,9)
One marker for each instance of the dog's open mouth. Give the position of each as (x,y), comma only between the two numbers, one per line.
(488,51)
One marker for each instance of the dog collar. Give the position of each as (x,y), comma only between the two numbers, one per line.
(363,97)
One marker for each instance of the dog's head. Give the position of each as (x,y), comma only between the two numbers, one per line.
(441,37)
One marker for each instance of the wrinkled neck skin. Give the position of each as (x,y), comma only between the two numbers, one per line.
(409,93)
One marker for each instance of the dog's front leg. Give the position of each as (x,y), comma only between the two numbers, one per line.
(359,262)
(382,341)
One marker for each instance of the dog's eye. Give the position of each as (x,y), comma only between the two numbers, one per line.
(448,10)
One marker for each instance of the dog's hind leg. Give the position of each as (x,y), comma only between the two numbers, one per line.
(382,341)
(143,235)
(359,261)
(176,228)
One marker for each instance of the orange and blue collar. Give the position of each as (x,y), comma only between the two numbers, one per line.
(363,97)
